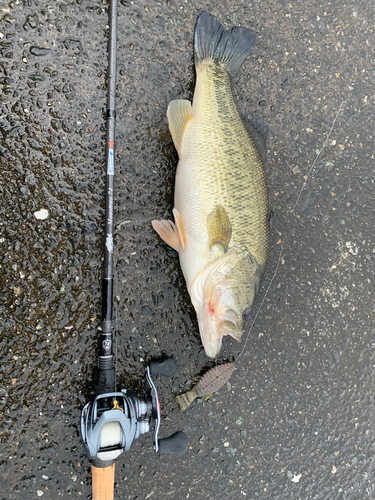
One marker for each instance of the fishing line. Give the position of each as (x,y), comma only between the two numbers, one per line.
(317,156)
(260,307)
(282,244)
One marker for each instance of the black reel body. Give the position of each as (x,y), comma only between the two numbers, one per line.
(112,421)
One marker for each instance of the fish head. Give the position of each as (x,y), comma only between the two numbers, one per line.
(227,290)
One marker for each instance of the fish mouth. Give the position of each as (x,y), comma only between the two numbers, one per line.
(213,329)
(231,329)
(212,350)
(215,311)
(210,336)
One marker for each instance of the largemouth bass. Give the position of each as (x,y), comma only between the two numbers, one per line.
(221,229)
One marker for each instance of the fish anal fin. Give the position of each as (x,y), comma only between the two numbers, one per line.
(219,228)
(178,114)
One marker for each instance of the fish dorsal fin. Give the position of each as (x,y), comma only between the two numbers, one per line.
(258,131)
(173,234)
(178,114)
(219,228)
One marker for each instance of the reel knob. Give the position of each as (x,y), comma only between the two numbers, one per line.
(176,444)
(164,366)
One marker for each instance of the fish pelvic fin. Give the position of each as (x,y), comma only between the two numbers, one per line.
(178,114)
(180,228)
(211,41)
(219,228)
(172,233)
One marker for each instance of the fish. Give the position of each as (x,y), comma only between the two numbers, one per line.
(221,207)
(211,382)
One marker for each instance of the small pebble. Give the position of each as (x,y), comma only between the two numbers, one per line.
(41,214)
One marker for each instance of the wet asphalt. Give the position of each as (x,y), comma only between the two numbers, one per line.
(296,419)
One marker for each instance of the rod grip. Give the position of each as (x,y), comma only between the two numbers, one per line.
(103,482)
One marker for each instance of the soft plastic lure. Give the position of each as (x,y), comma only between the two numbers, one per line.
(211,382)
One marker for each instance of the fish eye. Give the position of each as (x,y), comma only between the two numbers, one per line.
(246,315)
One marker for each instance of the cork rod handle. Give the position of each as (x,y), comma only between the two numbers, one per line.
(103,482)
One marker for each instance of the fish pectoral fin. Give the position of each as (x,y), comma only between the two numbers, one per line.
(219,228)
(178,114)
(172,233)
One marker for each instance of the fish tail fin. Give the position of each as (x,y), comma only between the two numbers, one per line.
(211,41)
(185,400)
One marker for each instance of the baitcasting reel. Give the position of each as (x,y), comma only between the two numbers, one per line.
(112,421)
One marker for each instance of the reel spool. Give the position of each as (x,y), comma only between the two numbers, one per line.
(110,435)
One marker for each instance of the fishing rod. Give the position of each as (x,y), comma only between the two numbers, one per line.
(113,419)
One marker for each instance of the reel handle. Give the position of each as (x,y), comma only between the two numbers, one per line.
(176,444)
(103,482)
